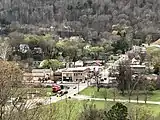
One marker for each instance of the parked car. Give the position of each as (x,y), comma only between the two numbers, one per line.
(61,93)
(74,87)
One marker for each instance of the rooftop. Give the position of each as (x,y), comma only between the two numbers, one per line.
(41,70)
(76,69)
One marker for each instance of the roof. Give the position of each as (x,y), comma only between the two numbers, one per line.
(27,74)
(60,70)
(41,70)
(138,66)
(93,61)
(79,63)
(76,69)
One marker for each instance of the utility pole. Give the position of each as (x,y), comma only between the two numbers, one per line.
(78,86)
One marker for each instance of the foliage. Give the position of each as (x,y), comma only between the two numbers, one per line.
(95,51)
(140,113)
(157,68)
(90,112)
(117,112)
(154,52)
(10,80)
(93,19)
(120,45)
(124,78)
(51,63)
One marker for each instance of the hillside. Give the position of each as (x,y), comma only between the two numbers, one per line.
(157,42)
(92,18)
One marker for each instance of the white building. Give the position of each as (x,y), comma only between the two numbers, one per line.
(37,74)
(79,63)
(135,61)
(138,68)
(75,74)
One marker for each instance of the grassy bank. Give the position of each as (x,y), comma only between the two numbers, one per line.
(92,91)
(72,108)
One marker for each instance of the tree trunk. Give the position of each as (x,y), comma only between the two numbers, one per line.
(129,97)
(137,96)
(145,98)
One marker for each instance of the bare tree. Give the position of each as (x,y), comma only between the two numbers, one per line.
(124,76)
(13,97)
(5,50)
(91,113)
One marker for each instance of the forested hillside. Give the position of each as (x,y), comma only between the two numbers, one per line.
(91,17)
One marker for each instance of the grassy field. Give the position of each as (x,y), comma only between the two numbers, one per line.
(72,108)
(92,91)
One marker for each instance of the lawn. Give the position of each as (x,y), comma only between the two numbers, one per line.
(92,91)
(63,108)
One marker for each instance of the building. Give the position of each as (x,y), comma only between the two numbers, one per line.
(38,74)
(94,62)
(135,61)
(138,68)
(79,63)
(41,73)
(75,74)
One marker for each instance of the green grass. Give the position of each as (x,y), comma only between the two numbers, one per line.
(92,91)
(77,107)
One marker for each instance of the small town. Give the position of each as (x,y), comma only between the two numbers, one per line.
(79,60)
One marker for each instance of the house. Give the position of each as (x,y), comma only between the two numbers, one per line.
(93,62)
(79,63)
(134,67)
(75,74)
(24,48)
(135,61)
(41,73)
(138,68)
(27,77)
(37,74)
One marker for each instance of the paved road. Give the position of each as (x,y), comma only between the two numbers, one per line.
(81,97)
(105,72)
(30,104)
(71,93)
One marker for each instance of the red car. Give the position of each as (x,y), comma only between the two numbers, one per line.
(56,88)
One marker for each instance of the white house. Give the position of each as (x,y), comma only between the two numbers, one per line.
(79,63)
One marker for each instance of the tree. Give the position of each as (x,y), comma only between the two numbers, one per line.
(51,63)
(5,50)
(157,68)
(140,113)
(117,112)
(68,48)
(91,113)
(95,51)
(120,45)
(148,39)
(124,77)
(13,105)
